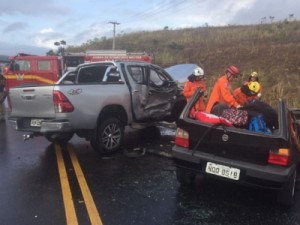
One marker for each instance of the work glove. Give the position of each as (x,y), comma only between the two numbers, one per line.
(239,106)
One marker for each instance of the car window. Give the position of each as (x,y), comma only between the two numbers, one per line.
(157,77)
(91,74)
(44,65)
(137,74)
(69,78)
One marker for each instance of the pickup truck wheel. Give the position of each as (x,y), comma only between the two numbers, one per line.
(285,196)
(109,137)
(184,176)
(59,138)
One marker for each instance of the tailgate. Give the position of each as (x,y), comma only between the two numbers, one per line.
(32,102)
(232,143)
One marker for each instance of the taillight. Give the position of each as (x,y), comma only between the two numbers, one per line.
(61,103)
(279,157)
(182,138)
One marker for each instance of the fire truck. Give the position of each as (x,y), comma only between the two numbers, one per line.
(110,55)
(24,69)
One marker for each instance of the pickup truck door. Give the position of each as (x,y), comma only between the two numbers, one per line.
(153,92)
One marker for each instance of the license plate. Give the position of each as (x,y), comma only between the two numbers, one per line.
(36,122)
(222,171)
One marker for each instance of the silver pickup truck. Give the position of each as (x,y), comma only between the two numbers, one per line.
(96,102)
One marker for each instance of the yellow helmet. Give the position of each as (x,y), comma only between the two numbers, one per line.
(254,74)
(254,86)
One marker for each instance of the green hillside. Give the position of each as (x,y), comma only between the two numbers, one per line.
(270,49)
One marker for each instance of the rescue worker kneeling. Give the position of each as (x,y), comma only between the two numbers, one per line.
(247,93)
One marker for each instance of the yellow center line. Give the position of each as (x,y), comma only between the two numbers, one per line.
(87,196)
(65,187)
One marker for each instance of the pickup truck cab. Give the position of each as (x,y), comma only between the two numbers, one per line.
(239,155)
(96,102)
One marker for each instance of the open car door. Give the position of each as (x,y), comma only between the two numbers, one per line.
(153,92)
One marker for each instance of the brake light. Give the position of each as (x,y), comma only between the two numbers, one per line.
(61,103)
(182,138)
(279,157)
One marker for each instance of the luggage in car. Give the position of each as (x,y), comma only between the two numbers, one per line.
(213,119)
(237,117)
(258,124)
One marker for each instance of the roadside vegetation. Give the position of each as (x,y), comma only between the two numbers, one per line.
(273,50)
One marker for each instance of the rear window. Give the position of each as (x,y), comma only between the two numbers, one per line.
(91,74)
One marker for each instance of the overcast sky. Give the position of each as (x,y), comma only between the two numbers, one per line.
(32,26)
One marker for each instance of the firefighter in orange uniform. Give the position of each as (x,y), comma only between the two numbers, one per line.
(195,80)
(247,93)
(221,96)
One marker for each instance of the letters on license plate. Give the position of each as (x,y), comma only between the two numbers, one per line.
(222,171)
(36,122)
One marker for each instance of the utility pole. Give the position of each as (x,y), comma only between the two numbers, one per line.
(114,44)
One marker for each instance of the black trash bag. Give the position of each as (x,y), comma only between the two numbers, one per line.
(257,107)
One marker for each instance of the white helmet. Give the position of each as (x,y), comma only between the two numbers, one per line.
(198,72)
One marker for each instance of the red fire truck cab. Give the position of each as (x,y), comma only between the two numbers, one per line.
(25,69)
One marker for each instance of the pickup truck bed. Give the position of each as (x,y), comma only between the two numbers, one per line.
(240,155)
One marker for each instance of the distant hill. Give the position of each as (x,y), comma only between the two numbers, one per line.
(270,49)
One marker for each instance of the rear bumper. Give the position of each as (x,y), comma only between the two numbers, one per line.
(265,176)
(23,124)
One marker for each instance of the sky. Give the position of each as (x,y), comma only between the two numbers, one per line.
(32,26)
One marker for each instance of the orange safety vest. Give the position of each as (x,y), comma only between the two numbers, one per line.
(190,88)
(241,97)
(221,94)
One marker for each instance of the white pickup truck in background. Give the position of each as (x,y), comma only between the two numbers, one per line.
(96,102)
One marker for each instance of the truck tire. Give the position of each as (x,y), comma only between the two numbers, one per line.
(109,136)
(59,138)
(184,176)
(285,196)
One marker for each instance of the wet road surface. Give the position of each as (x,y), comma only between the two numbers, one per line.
(134,186)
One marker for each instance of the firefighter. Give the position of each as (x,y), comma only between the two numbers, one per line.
(221,96)
(254,77)
(195,80)
(2,97)
(247,92)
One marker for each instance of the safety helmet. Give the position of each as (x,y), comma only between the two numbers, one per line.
(254,86)
(233,70)
(198,72)
(254,74)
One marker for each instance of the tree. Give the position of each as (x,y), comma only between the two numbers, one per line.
(51,52)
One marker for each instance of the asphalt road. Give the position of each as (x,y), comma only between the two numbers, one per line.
(43,183)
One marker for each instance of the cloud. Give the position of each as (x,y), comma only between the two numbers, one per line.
(15,27)
(32,7)
(46,30)
(14,49)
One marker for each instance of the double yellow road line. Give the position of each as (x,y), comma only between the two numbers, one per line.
(71,217)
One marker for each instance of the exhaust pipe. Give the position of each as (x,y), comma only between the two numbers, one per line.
(27,136)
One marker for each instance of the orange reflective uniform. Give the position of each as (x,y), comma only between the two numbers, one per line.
(221,94)
(241,97)
(190,88)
